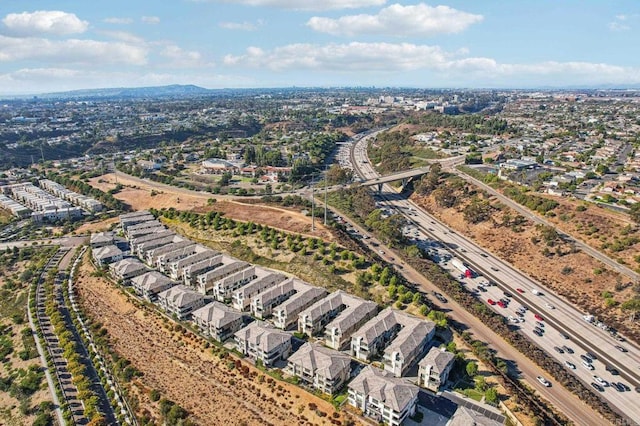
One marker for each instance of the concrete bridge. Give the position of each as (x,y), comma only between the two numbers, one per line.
(405,177)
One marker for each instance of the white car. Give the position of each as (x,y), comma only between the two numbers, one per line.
(544,381)
(549,305)
(570,365)
(600,380)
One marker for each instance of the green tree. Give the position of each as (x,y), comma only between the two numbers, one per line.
(472,369)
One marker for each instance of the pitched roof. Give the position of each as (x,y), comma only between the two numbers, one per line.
(180,295)
(263,336)
(151,281)
(394,392)
(437,358)
(320,360)
(216,314)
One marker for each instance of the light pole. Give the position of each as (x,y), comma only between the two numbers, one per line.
(313,216)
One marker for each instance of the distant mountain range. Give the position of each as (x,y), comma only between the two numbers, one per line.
(174,90)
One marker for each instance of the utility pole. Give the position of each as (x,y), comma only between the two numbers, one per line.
(313,216)
(325,196)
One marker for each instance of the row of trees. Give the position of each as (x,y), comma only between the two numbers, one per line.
(84,188)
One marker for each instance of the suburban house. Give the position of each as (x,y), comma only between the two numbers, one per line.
(383,397)
(225,284)
(400,337)
(107,254)
(228,267)
(261,342)
(176,267)
(262,304)
(218,166)
(241,298)
(180,301)
(320,368)
(125,269)
(218,320)
(101,239)
(313,320)
(434,369)
(149,284)
(286,314)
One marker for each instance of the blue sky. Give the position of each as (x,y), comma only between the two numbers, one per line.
(55,45)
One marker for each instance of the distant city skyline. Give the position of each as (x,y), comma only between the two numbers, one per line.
(51,46)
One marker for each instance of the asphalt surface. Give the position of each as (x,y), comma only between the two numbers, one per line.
(561,398)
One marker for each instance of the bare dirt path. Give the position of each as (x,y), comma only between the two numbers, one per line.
(177,364)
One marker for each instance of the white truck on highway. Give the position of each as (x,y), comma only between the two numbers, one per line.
(460,266)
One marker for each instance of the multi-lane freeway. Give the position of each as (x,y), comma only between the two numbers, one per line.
(559,316)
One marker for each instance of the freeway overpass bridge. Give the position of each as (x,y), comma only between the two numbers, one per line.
(404,176)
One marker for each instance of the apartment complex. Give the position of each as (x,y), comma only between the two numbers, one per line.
(320,368)
(261,342)
(434,369)
(180,301)
(218,320)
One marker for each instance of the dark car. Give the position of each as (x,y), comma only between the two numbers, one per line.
(586,359)
(558,349)
(620,348)
(617,387)
(564,336)
(482,288)
(591,355)
(624,386)
(597,387)
(440,297)
(537,332)
(567,349)
(506,294)
(613,371)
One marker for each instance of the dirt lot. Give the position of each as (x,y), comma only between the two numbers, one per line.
(181,369)
(137,194)
(576,276)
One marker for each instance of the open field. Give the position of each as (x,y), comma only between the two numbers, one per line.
(574,275)
(137,194)
(185,371)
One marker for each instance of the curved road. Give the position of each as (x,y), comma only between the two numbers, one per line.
(560,397)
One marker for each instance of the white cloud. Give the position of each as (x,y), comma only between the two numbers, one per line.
(389,58)
(54,22)
(398,20)
(622,22)
(307,4)
(150,19)
(118,21)
(124,36)
(71,51)
(181,58)
(241,26)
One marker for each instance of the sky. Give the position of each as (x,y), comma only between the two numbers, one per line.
(59,45)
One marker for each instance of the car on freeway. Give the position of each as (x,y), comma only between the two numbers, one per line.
(591,355)
(538,329)
(544,381)
(483,254)
(558,349)
(539,324)
(538,317)
(549,306)
(586,359)
(381,251)
(519,290)
(493,268)
(588,365)
(600,380)
(597,387)
(624,386)
(564,336)
(507,294)
(621,349)
(520,314)
(501,304)
(482,288)
(491,302)
(567,349)
(617,387)
(570,365)
(537,332)
(613,371)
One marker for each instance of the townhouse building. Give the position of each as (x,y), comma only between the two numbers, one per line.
(149,284)
(180,301)
(383,397)
(320,368)
(261,342)
(124,270)
(101,239)
(286,315)
(228,280)
(152,256)
(107,254)
(176,267)
(241,298)
(163,261)
(218,320)
(434,369)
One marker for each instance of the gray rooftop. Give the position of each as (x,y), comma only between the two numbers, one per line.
(263,336)
(394,392)
(437,358)
(216,314)
(321,360)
